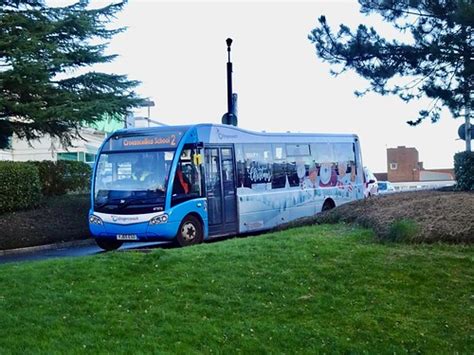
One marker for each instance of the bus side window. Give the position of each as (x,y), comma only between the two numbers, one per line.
(182,184)
(241,166)
(227,170)
(344,156)
(354,155)
(279,166)
(188,179)
(258,165)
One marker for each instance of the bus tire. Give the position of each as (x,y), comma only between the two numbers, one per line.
(189,232)
(328,205)
(108,244)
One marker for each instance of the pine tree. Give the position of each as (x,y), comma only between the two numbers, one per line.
(437,63)
(45,52)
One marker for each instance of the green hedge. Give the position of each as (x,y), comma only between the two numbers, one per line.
(20,186)
(464,170)
(78,176)
(62,176)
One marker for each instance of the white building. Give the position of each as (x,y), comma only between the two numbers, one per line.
(84,150)
(48,148)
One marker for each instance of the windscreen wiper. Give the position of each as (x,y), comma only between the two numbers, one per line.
(107,203)
(141,200)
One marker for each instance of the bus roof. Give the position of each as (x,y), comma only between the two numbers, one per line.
(219,133)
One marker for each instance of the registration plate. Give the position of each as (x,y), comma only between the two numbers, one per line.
(127,237)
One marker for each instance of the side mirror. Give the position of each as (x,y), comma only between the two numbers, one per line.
(197,159)
(371,181)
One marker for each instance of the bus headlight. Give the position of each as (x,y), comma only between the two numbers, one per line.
(162,218)
(93,219)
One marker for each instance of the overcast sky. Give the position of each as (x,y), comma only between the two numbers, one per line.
(177,50)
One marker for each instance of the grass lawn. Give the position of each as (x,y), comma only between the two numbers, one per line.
(310,289)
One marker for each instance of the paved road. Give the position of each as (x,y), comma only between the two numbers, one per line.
(73,251)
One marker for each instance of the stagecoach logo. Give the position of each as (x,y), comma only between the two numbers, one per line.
(124,219)
(225,136)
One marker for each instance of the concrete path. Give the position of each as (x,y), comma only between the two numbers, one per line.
(66,250)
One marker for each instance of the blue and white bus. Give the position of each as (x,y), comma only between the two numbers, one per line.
(192,183)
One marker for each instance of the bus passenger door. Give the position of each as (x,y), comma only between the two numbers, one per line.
(221,190)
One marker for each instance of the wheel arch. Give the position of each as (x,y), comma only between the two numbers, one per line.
(328,204)
(197,219)
(197,216)
(205,230)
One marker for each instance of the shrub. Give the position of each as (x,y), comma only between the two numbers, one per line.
(50,177)
(77,175)
(62,176)
(19,186)
(403,230)
(57,219)
(464,170)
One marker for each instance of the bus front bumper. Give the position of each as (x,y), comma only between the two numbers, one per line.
(144,231)
(146,227)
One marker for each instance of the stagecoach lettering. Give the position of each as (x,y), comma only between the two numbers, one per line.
(225,136)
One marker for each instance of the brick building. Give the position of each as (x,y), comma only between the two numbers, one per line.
(403,165)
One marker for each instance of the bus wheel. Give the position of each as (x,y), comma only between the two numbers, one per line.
(108,244)
(189,232)
(328,205)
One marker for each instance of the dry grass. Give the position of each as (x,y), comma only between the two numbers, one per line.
(437,215)
(424,216)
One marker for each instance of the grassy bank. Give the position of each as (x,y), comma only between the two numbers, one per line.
(410,217)
(321,288)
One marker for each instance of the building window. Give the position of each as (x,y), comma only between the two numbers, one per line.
(90,158)
(67,156)
(393,166)
(5,141)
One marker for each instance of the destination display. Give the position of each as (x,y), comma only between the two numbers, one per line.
(156,141)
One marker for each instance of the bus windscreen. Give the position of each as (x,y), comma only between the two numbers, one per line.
(126,182)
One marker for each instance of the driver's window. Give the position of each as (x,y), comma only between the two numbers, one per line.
(188,178)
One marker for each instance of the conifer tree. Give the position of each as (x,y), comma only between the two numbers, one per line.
(436,62)
(47,85)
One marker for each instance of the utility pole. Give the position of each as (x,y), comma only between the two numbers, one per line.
(229,118)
